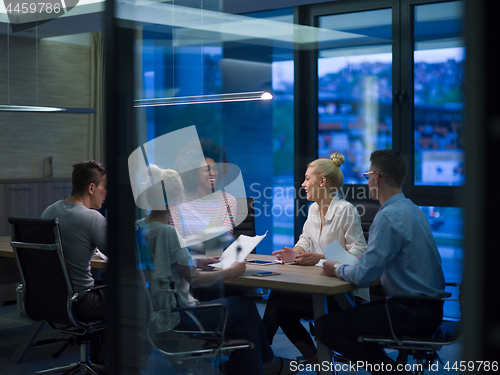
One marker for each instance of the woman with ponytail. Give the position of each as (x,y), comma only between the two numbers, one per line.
(330,218)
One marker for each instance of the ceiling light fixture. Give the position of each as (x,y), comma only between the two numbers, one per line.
(200,99)
(38,109)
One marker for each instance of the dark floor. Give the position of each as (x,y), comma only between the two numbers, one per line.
(13,328)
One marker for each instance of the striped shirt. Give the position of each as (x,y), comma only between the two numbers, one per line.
(196,214)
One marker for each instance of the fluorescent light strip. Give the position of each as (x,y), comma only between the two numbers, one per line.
(37,109)
(200,99)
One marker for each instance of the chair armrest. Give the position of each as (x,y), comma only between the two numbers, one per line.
(414,298)
(98,287)
(201,307)
(78,296)
(420,298)
(223,314)
(217,331)
(408,298)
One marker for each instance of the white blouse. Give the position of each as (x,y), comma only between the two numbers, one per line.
(341,223)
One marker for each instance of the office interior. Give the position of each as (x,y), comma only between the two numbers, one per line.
(349,76)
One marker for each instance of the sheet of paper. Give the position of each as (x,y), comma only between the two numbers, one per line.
(336,252)
(245,244)
(363,293)
(320,263)
(100,255)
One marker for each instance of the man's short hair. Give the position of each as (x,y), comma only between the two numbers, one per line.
(85,173)
(391,165)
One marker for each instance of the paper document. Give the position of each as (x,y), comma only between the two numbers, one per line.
(336,252)
(100,255)
(245,244)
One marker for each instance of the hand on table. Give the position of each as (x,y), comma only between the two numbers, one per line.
(328,267)
(308,259)
(286,255)
(204,263)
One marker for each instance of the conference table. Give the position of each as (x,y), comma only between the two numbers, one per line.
(6,251)
(302,279)
(8,268)
(293,278)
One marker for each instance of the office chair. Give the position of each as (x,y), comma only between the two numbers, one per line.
(185,349)
(246,218)
(367,212)
(47,290)
(423,349)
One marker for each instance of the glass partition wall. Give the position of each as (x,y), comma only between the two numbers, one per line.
(186,109)
(171,68)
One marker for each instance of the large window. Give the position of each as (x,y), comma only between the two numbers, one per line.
(367,99)
(393,77)
(355,89)
(438,94)
(447,225)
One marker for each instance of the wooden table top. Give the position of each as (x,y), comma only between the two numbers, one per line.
(7,252)
(305,279)
(5,248)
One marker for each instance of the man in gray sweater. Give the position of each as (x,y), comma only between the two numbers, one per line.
(83,229)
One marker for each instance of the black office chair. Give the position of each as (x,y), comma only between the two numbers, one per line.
(185,349)
(367,212)
(246,218)
(423,349)
(47,290)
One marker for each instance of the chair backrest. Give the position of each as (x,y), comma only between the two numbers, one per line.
(247,223)
(367,212)
(47,288)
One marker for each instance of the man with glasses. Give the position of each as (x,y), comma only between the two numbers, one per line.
(401,253)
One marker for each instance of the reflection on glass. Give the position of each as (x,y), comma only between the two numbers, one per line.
(283,201)
(258,136)
(439,63)
(355,90)
(447,225)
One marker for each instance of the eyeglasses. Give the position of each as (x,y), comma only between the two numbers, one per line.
(367,174)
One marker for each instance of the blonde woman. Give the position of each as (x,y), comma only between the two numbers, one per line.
(330,218)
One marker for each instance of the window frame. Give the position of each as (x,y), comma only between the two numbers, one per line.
(403,113)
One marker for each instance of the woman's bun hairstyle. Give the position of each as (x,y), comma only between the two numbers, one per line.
(337,159)
(330,170)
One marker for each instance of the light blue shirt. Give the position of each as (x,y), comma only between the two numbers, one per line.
(401,253)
